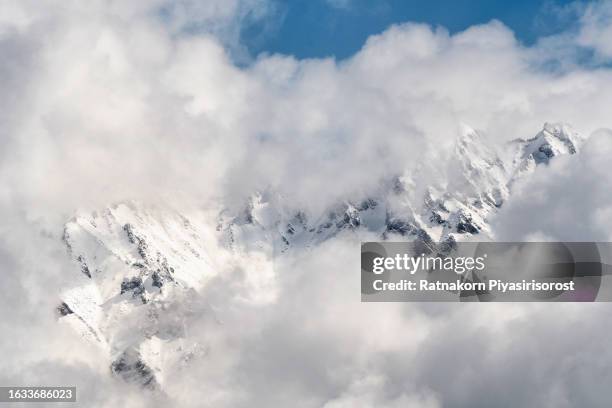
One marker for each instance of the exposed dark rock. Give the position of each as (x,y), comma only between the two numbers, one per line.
(130,233)
(323,226)
(300,217)
(547,150)
(165,267)
(142,247)
(350,219)
(84,267)
(400,226)
(248,214)
(437,218)
(367,204)
(64,309)
(134,286)
(466,225)
(163,274)
(544,154)
(158,280)
(130,367)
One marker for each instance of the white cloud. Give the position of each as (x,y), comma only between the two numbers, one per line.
(173,114)
(596,29)
(566,201)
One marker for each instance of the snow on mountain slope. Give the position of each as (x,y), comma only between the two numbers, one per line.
(135,264)
(553,140)
(140,268)
(464,188)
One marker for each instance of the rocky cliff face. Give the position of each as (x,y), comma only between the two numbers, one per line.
(139,269)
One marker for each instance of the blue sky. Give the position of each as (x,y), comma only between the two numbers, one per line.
(321,28)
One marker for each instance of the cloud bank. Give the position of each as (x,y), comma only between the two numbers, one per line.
(110,100)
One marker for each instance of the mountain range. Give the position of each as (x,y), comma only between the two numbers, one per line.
(139,268)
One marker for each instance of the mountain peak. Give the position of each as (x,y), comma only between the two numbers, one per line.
(555,139)
(134,262)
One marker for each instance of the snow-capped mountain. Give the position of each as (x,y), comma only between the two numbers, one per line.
(139,269)
(553,140)
(472,183)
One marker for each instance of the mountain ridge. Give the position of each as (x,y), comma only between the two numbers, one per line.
(146,265)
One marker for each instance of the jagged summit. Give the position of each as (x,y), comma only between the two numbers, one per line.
(138,269)
(553,140)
